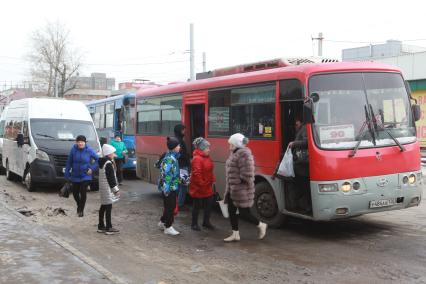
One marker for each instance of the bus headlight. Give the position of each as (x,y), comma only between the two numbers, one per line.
(412,179)
(41,155)
(346,187)
(331,187)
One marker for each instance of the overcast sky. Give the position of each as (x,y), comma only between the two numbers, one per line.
(149,39)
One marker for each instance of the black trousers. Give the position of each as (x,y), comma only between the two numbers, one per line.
(119,169)
(169,207)
(233,217)
(79,191)
(105,209)
(202,203)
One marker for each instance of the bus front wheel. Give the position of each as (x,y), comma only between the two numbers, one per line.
(265,206)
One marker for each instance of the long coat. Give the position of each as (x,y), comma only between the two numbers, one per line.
(202,177)
(107,181)
(240,177)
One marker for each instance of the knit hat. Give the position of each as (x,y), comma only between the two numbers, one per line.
(238,140)
(172,143)
(201,143)
(80,138)
(107,149)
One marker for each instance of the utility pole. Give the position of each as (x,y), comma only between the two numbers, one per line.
(191,53)
(320,38)
(204,62)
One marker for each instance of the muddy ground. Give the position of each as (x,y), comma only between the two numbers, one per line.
(378,248)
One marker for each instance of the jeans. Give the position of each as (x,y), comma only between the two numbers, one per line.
(119,172)
(183,191)
(169,206)
(199,203)
(105,209)
(233,217)
(79,191)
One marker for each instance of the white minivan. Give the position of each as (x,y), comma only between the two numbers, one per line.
(38,136)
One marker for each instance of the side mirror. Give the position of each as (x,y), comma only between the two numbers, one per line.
(417,113)
(307,113)
(20,139)
(314,97)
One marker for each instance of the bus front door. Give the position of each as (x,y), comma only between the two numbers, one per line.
(194,105)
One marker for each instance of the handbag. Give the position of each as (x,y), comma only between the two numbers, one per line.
(65,190)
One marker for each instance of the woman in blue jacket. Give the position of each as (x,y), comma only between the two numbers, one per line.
(82,162)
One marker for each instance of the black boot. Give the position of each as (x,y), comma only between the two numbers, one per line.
(195,227)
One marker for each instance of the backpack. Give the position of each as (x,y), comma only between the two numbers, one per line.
(157,164)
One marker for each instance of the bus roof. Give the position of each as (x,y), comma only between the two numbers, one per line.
(303,70)
(111,99)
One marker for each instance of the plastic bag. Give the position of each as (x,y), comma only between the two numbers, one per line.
(224,208)
(66,190)
(286,168)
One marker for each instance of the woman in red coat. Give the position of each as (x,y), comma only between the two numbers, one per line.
(201,183)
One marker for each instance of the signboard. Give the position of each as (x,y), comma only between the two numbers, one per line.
(337,133)
(219,119)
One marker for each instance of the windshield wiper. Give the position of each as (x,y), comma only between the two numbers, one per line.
(376,127)
(361,133)
(45,135)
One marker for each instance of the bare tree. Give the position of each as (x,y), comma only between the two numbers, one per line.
(53,58)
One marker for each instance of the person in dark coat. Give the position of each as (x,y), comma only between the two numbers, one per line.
(201,183)
(183,161)
(240,188)
(299,146)
(82,162)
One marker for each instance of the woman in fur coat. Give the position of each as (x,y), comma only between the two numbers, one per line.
(239,192)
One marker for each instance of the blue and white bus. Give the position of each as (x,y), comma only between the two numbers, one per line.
(116,115)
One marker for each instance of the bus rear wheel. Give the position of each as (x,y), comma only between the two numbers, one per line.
(265,206)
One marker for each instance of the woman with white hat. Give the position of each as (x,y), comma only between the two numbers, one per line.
(107,188)
(239,192)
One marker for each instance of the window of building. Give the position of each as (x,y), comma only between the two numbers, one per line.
(249,110)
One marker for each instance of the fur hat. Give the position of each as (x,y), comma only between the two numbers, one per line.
(172,143)
(238,140)
(107,149)
(201,143)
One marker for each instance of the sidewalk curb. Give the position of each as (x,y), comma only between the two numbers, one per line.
(65,245)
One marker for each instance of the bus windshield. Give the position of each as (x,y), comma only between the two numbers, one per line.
(364,109)
(128,116)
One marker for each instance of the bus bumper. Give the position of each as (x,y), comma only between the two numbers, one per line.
(375,194)
(130,165)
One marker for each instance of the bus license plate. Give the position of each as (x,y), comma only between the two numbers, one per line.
(382,203)
(63,170)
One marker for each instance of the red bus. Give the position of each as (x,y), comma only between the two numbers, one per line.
(360,120)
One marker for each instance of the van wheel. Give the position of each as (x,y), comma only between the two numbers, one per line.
(28,181)
(265,206)
(9,175)
(2,169)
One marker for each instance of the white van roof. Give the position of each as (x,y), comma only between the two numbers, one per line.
(54,108)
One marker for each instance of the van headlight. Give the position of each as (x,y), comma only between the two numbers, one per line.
(41,155)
